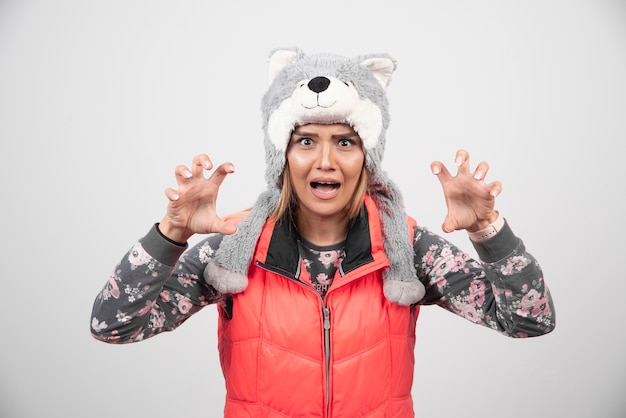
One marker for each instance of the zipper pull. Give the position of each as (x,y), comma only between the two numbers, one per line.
(326,318)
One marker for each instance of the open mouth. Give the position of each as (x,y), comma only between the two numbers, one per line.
(324,186)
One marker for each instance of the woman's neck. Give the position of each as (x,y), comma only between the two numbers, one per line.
(322,230)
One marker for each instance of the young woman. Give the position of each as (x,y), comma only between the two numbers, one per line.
(318,309)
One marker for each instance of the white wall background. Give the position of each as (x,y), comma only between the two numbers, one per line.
(100,100)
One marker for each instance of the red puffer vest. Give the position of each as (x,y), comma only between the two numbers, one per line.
(286,352)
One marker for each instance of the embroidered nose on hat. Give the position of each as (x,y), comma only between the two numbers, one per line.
(324,88)
(318,84)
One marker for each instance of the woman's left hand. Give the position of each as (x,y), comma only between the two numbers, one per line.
(469,199)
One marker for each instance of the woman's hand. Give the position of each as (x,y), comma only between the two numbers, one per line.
(469,199)
(191,208)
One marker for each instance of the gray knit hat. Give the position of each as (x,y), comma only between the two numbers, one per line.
(324,88)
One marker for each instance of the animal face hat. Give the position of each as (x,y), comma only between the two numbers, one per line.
(324,88)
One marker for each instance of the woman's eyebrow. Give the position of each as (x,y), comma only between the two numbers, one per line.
(304,133)
(348,134)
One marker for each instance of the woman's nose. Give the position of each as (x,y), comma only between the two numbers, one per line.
(325,156)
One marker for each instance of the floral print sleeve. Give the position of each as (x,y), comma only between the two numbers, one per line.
(504,291)
(154,288)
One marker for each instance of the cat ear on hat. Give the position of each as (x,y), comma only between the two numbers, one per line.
(280,58)
(381,67)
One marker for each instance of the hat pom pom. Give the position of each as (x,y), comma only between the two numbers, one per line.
(403,293)
(223,280)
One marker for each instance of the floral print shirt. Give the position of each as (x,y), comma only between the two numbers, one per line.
(159,284)
(321,262)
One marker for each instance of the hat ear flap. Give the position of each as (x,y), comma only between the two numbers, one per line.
(401,284)
(227,272)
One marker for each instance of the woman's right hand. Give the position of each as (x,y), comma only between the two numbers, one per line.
(191,208)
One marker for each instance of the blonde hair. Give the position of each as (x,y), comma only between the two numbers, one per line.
(287,202)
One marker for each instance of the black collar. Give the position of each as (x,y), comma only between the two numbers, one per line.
(283,256)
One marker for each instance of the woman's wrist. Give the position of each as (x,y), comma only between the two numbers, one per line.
(483,232)
(172,233)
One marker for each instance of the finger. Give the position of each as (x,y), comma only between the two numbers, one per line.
(448,225)
(221,172)
(481,170)
(223,227)
(200,163)
(461,160)
(495,188)
(182,173)
(440,170)
(172,194)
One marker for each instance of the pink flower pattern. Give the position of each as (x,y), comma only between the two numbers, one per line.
(330,258)
(463,285)
(321,265)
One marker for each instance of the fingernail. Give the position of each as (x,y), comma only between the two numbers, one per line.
(187,174)
(458,161)
(436,170)
(232,168)
(478,175)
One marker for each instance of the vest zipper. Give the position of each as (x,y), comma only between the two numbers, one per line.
(326,313)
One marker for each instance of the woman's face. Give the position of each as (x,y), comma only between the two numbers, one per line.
(325,163)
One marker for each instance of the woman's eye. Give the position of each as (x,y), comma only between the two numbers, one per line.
(306,141)
(345,143)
